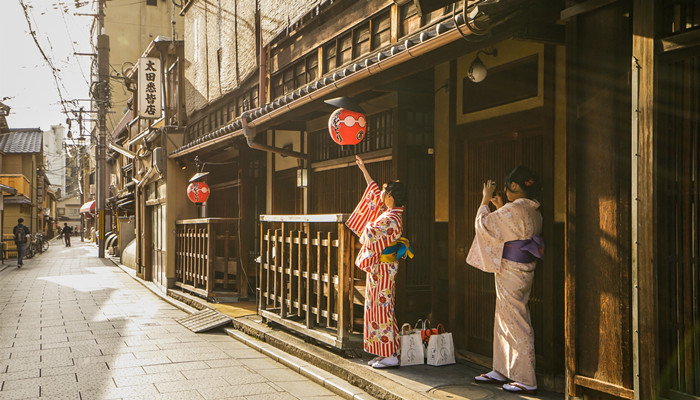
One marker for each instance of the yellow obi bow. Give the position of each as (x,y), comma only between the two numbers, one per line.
(397,250)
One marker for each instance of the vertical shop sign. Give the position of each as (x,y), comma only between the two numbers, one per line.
(150,89)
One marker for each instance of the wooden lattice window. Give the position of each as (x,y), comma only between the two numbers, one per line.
(680,16)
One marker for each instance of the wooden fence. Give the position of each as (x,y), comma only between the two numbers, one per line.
(207,257)
(307,278)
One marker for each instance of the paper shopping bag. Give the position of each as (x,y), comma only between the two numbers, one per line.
(411,346)
(441,348)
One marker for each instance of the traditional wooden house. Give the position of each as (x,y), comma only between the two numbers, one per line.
(599,96)
(143,177)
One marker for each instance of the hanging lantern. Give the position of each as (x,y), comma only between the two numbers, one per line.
(347,127)
(198,192)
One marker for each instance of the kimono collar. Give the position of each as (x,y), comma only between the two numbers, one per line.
(529,203)
(398,210)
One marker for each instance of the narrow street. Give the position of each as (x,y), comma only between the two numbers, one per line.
(73,326)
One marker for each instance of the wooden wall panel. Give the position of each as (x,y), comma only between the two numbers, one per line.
(678,230)
(599,320)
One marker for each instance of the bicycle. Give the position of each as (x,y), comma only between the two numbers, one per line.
(31,247)
(43,242)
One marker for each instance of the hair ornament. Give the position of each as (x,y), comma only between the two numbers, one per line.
(529,182)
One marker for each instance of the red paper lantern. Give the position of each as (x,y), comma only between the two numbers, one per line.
(198,192)
(347,127)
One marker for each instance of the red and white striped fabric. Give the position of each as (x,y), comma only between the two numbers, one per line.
(377,228)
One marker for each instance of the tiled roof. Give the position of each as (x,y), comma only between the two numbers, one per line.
(25,140)
(331,78)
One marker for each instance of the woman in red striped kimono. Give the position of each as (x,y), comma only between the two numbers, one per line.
(377,221)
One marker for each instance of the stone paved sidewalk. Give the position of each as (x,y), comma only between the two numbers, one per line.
(74,326)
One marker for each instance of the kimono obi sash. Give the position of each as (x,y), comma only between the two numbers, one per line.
(524,251)
(397,250)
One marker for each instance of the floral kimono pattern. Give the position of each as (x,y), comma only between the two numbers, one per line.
(378,227)
(513,336)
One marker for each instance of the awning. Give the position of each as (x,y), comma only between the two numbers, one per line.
(88,207)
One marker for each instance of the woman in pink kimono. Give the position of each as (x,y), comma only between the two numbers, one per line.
(507,244)
(377,221)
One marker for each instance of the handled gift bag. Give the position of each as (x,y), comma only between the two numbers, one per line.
(420,328)
(411,346)
(441,348)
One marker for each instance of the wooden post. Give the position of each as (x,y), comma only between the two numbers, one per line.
(319,278)
(300,278)
(226,263)
(210,239)
(330,304)
(645,26)
(307,233)
(344,294)
(280,271)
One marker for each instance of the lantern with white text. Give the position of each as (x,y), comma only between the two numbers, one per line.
(198,192)
(347,127)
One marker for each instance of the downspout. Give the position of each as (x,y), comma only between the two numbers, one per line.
(139,253)
(250,134)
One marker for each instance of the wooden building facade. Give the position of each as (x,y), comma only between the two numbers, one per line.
(600,97)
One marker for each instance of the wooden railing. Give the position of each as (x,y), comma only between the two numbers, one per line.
(307,277)
(207,258)
(19,182)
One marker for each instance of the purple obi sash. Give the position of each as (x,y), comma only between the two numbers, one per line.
(524,251)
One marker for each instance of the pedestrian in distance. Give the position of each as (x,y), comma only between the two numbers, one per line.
(507,244)
(67,232)
(377,220)
(21,236)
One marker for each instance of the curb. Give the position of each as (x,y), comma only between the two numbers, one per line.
(313,373)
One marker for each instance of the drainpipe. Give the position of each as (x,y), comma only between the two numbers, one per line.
(250,133)
(139,221)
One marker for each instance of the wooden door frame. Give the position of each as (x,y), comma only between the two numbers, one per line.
(538,118)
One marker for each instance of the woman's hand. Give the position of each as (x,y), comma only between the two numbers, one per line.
(497,201)
(489,188)
(360,163)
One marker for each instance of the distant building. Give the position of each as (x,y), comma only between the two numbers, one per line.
(55,155)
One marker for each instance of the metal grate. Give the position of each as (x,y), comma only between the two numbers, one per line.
(204,320)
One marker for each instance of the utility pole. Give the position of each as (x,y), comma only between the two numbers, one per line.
(102,103)
(81,161)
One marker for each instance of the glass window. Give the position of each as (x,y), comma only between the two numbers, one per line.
(410,21)
(360,41)
(299,74)
(345,49)
(381,31)
(311,68)
(329,57)
(287,81)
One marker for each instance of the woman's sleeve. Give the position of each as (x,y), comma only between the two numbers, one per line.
(490,223)
(487,248)
(367,210)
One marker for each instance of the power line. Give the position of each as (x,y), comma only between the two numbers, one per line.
(54,72)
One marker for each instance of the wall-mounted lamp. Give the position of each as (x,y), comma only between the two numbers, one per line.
(181,164)
(302,178)
(477,70)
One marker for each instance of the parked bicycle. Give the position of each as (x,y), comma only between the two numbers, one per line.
(38,243)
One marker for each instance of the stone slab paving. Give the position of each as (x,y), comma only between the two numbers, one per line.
(74,326)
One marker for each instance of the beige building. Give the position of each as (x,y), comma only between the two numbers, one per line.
(131,26)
